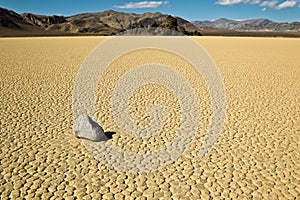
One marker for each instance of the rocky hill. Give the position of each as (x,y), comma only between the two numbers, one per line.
(111,23)
(102,23)
(12,23)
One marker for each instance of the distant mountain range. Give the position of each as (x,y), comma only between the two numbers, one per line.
(102,23)
(111,23)
(249,25)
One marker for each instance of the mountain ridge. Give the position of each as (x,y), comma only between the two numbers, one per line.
(108,22)
(111,22)
(260,24)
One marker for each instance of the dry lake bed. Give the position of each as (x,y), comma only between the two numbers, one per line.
(257,155)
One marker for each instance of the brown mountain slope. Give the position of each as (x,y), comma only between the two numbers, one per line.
(102,23)
(42,20)
(12,23)
(112,22)
(10,19)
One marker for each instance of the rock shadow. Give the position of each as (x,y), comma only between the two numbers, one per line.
(109,134)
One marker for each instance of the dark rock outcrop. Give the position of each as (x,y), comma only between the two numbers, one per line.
(42,20)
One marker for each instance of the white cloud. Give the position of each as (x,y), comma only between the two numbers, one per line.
(143,4)
(264,9)
(286,4)
(263,3)
(233,2)
(270,4)
(228,2)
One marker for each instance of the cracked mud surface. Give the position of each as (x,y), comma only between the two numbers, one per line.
(257,155)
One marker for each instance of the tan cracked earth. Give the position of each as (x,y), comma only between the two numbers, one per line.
(257,155)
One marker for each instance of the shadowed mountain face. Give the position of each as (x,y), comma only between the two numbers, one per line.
(43,21)
(13,24)
(12,20)
(249,25)
(102,23)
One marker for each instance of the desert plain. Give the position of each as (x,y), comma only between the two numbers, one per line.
(256,157)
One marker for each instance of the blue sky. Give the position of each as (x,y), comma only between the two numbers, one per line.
(277,10)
